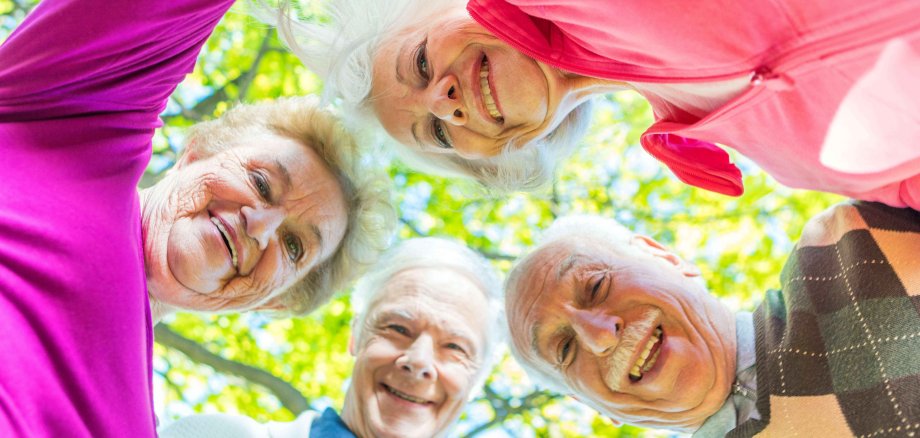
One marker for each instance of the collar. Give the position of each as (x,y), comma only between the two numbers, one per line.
(741,403)
(330,425)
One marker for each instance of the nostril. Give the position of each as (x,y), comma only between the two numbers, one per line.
(450,93)
(458,113)
(618,327)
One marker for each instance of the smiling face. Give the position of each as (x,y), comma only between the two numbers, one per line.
(417,354)
(227,231)
(451,87)
(630,333)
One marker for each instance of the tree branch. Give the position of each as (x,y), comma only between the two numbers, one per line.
(289,396)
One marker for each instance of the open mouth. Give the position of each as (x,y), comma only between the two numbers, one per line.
(405,396)
(486,88)
(649,356)
(227,240)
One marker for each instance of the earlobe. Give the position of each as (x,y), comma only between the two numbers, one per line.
(351,345)
(188,156)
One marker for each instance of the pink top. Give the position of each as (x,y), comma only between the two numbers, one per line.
(81,85)
(833,101)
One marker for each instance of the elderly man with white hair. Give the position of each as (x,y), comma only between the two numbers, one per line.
(621,323)
(423,337)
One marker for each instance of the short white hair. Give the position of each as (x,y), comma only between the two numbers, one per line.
(371,218)
(436,253)
(595,228)
(341,51)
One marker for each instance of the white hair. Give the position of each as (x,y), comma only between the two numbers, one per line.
(597,229)
(341,51)
(371,218)
(433,253)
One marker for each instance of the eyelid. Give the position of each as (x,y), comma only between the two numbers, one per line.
(296,257)
(438,123)
(422,52)
(258,177)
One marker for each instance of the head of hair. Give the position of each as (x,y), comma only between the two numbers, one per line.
(435,253)
(341,51)
(597,229)
(371,217)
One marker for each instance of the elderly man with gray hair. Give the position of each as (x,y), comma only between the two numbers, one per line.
(423,337)
(621,323)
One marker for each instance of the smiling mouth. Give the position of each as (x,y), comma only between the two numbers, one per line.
(649,356)
(405,396)
(227,240)
(487,98)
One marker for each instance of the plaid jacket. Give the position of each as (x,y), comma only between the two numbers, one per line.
(838,350)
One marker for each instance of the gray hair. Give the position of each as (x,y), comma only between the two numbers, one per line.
(595,228)
(341,51)
(371,216)
(429,253)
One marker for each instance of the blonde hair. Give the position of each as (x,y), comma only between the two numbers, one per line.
(371,217)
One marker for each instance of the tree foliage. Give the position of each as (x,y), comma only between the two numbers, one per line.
(272,369)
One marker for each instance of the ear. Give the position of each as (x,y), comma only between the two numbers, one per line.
(351,344)
(188,156)
(652,247)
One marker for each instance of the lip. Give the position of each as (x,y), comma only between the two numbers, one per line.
(236,242)
(650,374)
(477,91)
(401,401)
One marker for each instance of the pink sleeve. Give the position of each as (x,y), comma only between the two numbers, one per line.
(101,55)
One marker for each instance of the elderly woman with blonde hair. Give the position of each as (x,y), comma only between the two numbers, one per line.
(425,334)
(270,207)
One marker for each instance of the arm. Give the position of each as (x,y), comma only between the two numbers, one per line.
(74,57)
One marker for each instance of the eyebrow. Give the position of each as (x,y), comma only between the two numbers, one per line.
(318,236)
(285,174)
(415,135)
(563,269)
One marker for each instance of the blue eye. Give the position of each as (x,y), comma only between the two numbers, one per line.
(421,60)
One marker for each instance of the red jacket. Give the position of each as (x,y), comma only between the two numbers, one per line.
(834,103)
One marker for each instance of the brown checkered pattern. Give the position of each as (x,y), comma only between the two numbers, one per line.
(838,350)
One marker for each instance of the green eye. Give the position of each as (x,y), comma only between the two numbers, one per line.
(293,246)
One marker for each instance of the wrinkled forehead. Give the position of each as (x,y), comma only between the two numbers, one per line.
(445,297)
(533,285)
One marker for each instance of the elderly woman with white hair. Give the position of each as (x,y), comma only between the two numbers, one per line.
(820,94)
(269,207)
(424,337)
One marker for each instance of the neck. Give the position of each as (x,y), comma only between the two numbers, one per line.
(352,417)
(585,87)
(150,200)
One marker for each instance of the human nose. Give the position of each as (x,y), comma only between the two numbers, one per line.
(261,223)
(445,101)
(598,332)
(418,360)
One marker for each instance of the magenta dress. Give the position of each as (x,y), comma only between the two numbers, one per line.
(81,85)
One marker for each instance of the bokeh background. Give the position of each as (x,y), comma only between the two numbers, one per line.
(273,369)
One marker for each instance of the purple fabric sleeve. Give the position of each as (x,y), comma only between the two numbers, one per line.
(81,85)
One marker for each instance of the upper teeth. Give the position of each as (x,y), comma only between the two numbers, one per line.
(487,91)
(405,396)
(220,226)
(644,362)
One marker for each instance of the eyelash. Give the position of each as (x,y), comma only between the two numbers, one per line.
(399,329)
(438,131)
(566,350)
(262,186)
(292,245)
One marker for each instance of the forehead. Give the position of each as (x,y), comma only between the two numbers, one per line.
(439,296)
